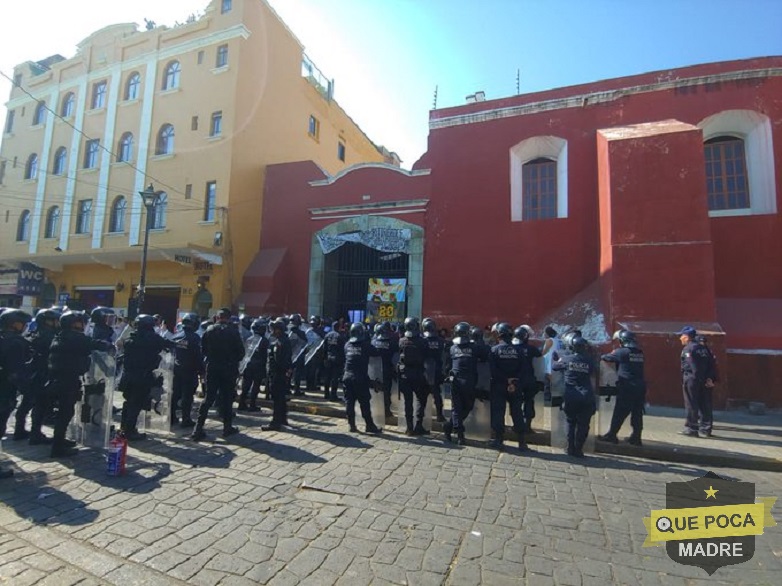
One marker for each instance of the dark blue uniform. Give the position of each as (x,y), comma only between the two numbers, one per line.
(412,382)
(278,368)
(697,367)
(299,368)
(579,399)
(333,363)
(14,354)
(253,376)
(40,342)
(223,349)
(630,390)
(529,385)
(507,368)
(435,347)
(142,357)
(386,346)
(188,366)
(464,357)
(356,380)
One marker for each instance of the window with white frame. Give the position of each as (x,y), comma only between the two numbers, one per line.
(66,108)
(31,167)
(225,6)
(9,121)
(222,56)
(171,75)
(159,212)
(23,227)
(216,128)
(125,148)
(210,201)
(52,228)
(165,140)
(60,157)
(84,216)
(91,153)
(99,90)
(538,179)
(117,218)
(133,86)
(39,116)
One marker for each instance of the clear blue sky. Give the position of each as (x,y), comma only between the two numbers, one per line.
(387,56)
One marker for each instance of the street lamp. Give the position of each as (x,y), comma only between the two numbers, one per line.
(149,197)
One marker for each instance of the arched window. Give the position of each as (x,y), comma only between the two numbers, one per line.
(159,212)
(726,173)
(171,77)
(125,150)
(52,222)
(117,220)
(40,113)
(66,108)
(132,86)
(60,156)
(31,168)
(165,140)
(539,189)
(23,228)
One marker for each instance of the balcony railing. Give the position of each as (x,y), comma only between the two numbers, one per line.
(315,76)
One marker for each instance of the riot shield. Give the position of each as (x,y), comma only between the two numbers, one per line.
(430,372)
(375,369)
(606,400)
(250,346)
(93,419)
(477,425)
(158,416)
(377,402)
(314,353)
(297,346)
(556,416)
(539,367)
(483,384)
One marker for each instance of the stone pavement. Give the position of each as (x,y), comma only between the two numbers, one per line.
(322,506)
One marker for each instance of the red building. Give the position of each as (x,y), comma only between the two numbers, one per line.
(647,201)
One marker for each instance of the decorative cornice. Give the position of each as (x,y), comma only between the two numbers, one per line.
(358,166)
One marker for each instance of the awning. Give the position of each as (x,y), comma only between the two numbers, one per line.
(254,302)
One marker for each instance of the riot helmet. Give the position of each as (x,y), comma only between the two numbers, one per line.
(379,329)
(521,333)
(412,328)
(258,326)
(461,332)
(624,337)
(295,319)
(102,315)
(224,314)
(579,345)
(246,320)
(428,325)
(47,315)
(145,322)
(71,318)
(504,331)
(190,320)
(278,325)
(9,317)
(315,321)
(476,334)
(357,332)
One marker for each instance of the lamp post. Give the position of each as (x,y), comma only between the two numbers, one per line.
(149,197)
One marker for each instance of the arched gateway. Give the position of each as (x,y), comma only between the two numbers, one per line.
(347,254)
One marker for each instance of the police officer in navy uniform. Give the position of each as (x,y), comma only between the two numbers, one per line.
(356,378)
(507,368)
(387,345)
(102,319)
(255,370)
(279,368)
(698,370)
(188,366)
(464,357)
(579,399)
(334,361)
(630,387)
(529,385)
(69,359)
(142,356)
(315,335)
(412,381)
(435,347)
(295,334)
(14,354)
(223,350)
(47,321)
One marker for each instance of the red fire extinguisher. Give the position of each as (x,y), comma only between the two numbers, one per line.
(116,454)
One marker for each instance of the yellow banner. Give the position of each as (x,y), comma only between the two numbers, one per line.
(704,522)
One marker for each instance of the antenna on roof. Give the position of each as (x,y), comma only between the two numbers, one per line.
(518,81)
(434,103)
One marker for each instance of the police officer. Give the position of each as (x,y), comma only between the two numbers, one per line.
(464,354)
(579,399)
(507,369)
(334,361)
(102,319)
(142,357)
(387,346)
(255,369)
(298,341)
(69,359)
(40,341)
(529,385)
(356,378)
(698,368)
(279,367)
(246,324)
(223,349)
(315,335)
(188,366)
(412,381)
(630,387)
(435,345)
(14,354)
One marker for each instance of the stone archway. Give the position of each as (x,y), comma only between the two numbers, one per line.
(361,224)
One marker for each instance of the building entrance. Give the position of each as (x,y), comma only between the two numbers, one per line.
(347,274)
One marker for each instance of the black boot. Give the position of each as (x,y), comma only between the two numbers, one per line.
(440,417)
(39,439)
(372,428)
(460,438)
(609,437)
(447,430)
(635,440)
(419,430)
(352,424)
(63,450)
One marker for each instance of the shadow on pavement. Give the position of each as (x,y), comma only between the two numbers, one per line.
(283,452)
(182,450)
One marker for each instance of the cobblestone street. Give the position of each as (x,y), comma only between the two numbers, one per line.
(322,506)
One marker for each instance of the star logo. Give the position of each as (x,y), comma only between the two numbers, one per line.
(711,493)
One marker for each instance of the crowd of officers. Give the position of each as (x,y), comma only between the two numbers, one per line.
(44,366)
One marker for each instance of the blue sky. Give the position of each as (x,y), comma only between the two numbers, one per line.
(387,56)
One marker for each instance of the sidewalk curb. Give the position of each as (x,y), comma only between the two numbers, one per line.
(651,450)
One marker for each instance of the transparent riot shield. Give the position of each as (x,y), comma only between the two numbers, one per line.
(250,346)
(477,425)
(297,346)
(93,418)
(377,403)
(375,369)
(314,353)
(539,367)
(606,400)
(430,371)
(557,422)
(397,401)
(400,413)
(483,383)
(158,416)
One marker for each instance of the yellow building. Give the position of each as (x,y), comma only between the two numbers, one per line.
(198,111)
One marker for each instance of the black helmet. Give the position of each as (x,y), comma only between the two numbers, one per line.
(567,339)
(315,321)
(258,326)
(45,315)
(100,314)
(205,324)
(579,345)
(379,329)
(190,320)
(247,321)
(295,319)
(412,327)
(357,332)
(428,325)
(12,316)
(624,337)
(145,322)
(504,331)
(461,332)
(70,317)
(278,324)
(476,334)
(335,326)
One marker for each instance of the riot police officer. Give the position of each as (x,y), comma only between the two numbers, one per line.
(69,359)
(464,354)
(435,345)
(246,324)
(356,378)
(279,366)
(334,361)
(412,380)
(102,319)
(47,321)
(579,399)
(630,387)
(14,354)
(298,341)
(255,368)
(507,370)
(188,366)
(529,385)
(698,368)
(142,357)
(223,349)
(387,346)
